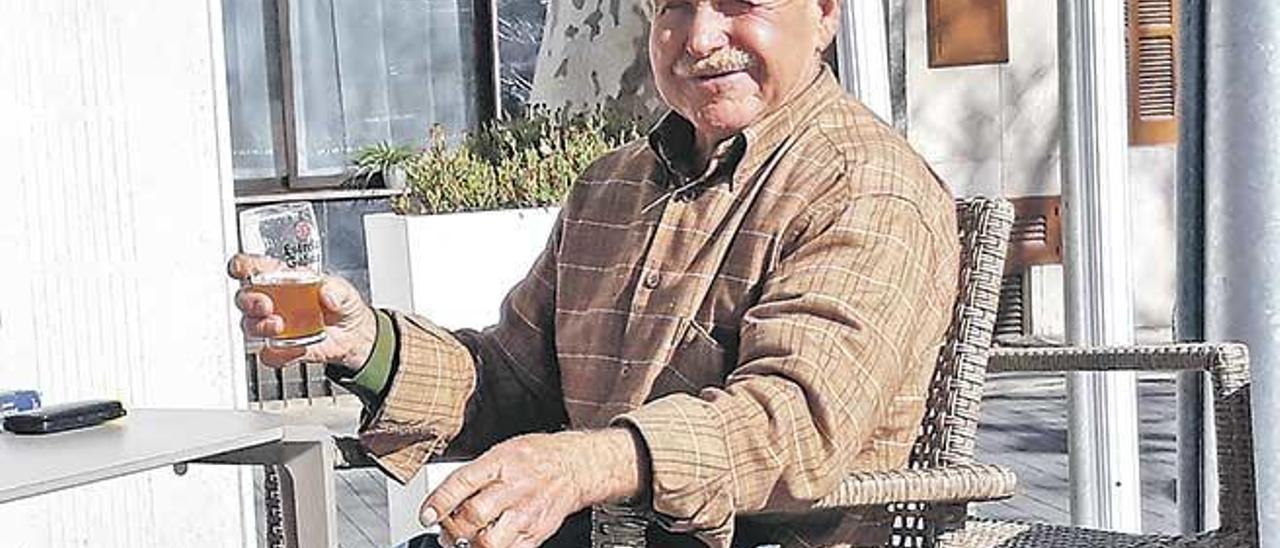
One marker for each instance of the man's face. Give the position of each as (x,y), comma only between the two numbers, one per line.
(722,64)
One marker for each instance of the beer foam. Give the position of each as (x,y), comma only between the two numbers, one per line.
(293,276)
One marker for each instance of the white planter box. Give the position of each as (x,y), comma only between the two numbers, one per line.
(454,269)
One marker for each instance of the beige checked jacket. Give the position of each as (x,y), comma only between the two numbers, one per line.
(766,325)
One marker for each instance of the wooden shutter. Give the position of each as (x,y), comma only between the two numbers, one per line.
(1153,71)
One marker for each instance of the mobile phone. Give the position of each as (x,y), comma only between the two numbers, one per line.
(64,416)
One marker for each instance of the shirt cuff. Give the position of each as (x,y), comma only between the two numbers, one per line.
(370,381)
(424,400)
(692,484)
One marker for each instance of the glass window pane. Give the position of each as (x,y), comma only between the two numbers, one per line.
(519,36)
(455,76)
(317,96)
(411,89)
(377,70)
(253,88)
(360,31)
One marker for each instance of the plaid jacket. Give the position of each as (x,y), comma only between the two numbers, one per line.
(766,325)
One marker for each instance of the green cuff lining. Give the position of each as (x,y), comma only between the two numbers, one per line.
(377,369)
(370,381)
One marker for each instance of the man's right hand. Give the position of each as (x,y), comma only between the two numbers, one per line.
(350,325)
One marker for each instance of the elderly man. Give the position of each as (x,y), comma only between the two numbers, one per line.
(728,317)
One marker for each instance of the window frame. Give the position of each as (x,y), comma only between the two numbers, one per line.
(284,122)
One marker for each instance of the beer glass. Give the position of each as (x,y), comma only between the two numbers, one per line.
(288,232)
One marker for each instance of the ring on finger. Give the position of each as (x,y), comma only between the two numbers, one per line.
(462,543)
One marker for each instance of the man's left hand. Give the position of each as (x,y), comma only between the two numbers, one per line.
(520,491)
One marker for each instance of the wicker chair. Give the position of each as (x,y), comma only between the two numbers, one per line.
(929,497)
(1228,366)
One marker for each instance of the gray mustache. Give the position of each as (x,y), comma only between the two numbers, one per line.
(720,62)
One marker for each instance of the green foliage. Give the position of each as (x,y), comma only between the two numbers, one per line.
(378,159)
(528,162)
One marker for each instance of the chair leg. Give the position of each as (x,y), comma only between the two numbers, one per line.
(273,506)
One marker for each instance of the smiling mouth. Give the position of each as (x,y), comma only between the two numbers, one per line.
(715,77)
(718,74)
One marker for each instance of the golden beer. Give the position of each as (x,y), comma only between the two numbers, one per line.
(295,295)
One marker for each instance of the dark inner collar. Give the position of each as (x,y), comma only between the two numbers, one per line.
(673,141)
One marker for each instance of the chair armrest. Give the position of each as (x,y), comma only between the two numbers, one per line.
(1227,363)
(956,483)
(1169,357)
(624,527)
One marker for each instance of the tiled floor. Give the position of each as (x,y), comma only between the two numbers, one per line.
(1024,427)
(362,509)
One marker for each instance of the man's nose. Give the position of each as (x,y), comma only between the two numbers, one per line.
(708,32)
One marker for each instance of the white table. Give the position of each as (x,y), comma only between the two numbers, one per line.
(152,438)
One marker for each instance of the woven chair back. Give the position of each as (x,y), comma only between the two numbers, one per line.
(950,422)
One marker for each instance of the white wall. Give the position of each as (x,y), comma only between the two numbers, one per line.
(994,130)
(1152,179)
(989,129)
(115,224)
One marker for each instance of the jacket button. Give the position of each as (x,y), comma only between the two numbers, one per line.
(653,280)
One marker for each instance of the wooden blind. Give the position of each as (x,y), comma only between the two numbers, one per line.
(1152,46)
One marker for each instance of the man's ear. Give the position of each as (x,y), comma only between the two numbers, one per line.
(829,11)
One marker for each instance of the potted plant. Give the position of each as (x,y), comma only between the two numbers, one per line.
(476,212)
(383,160)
